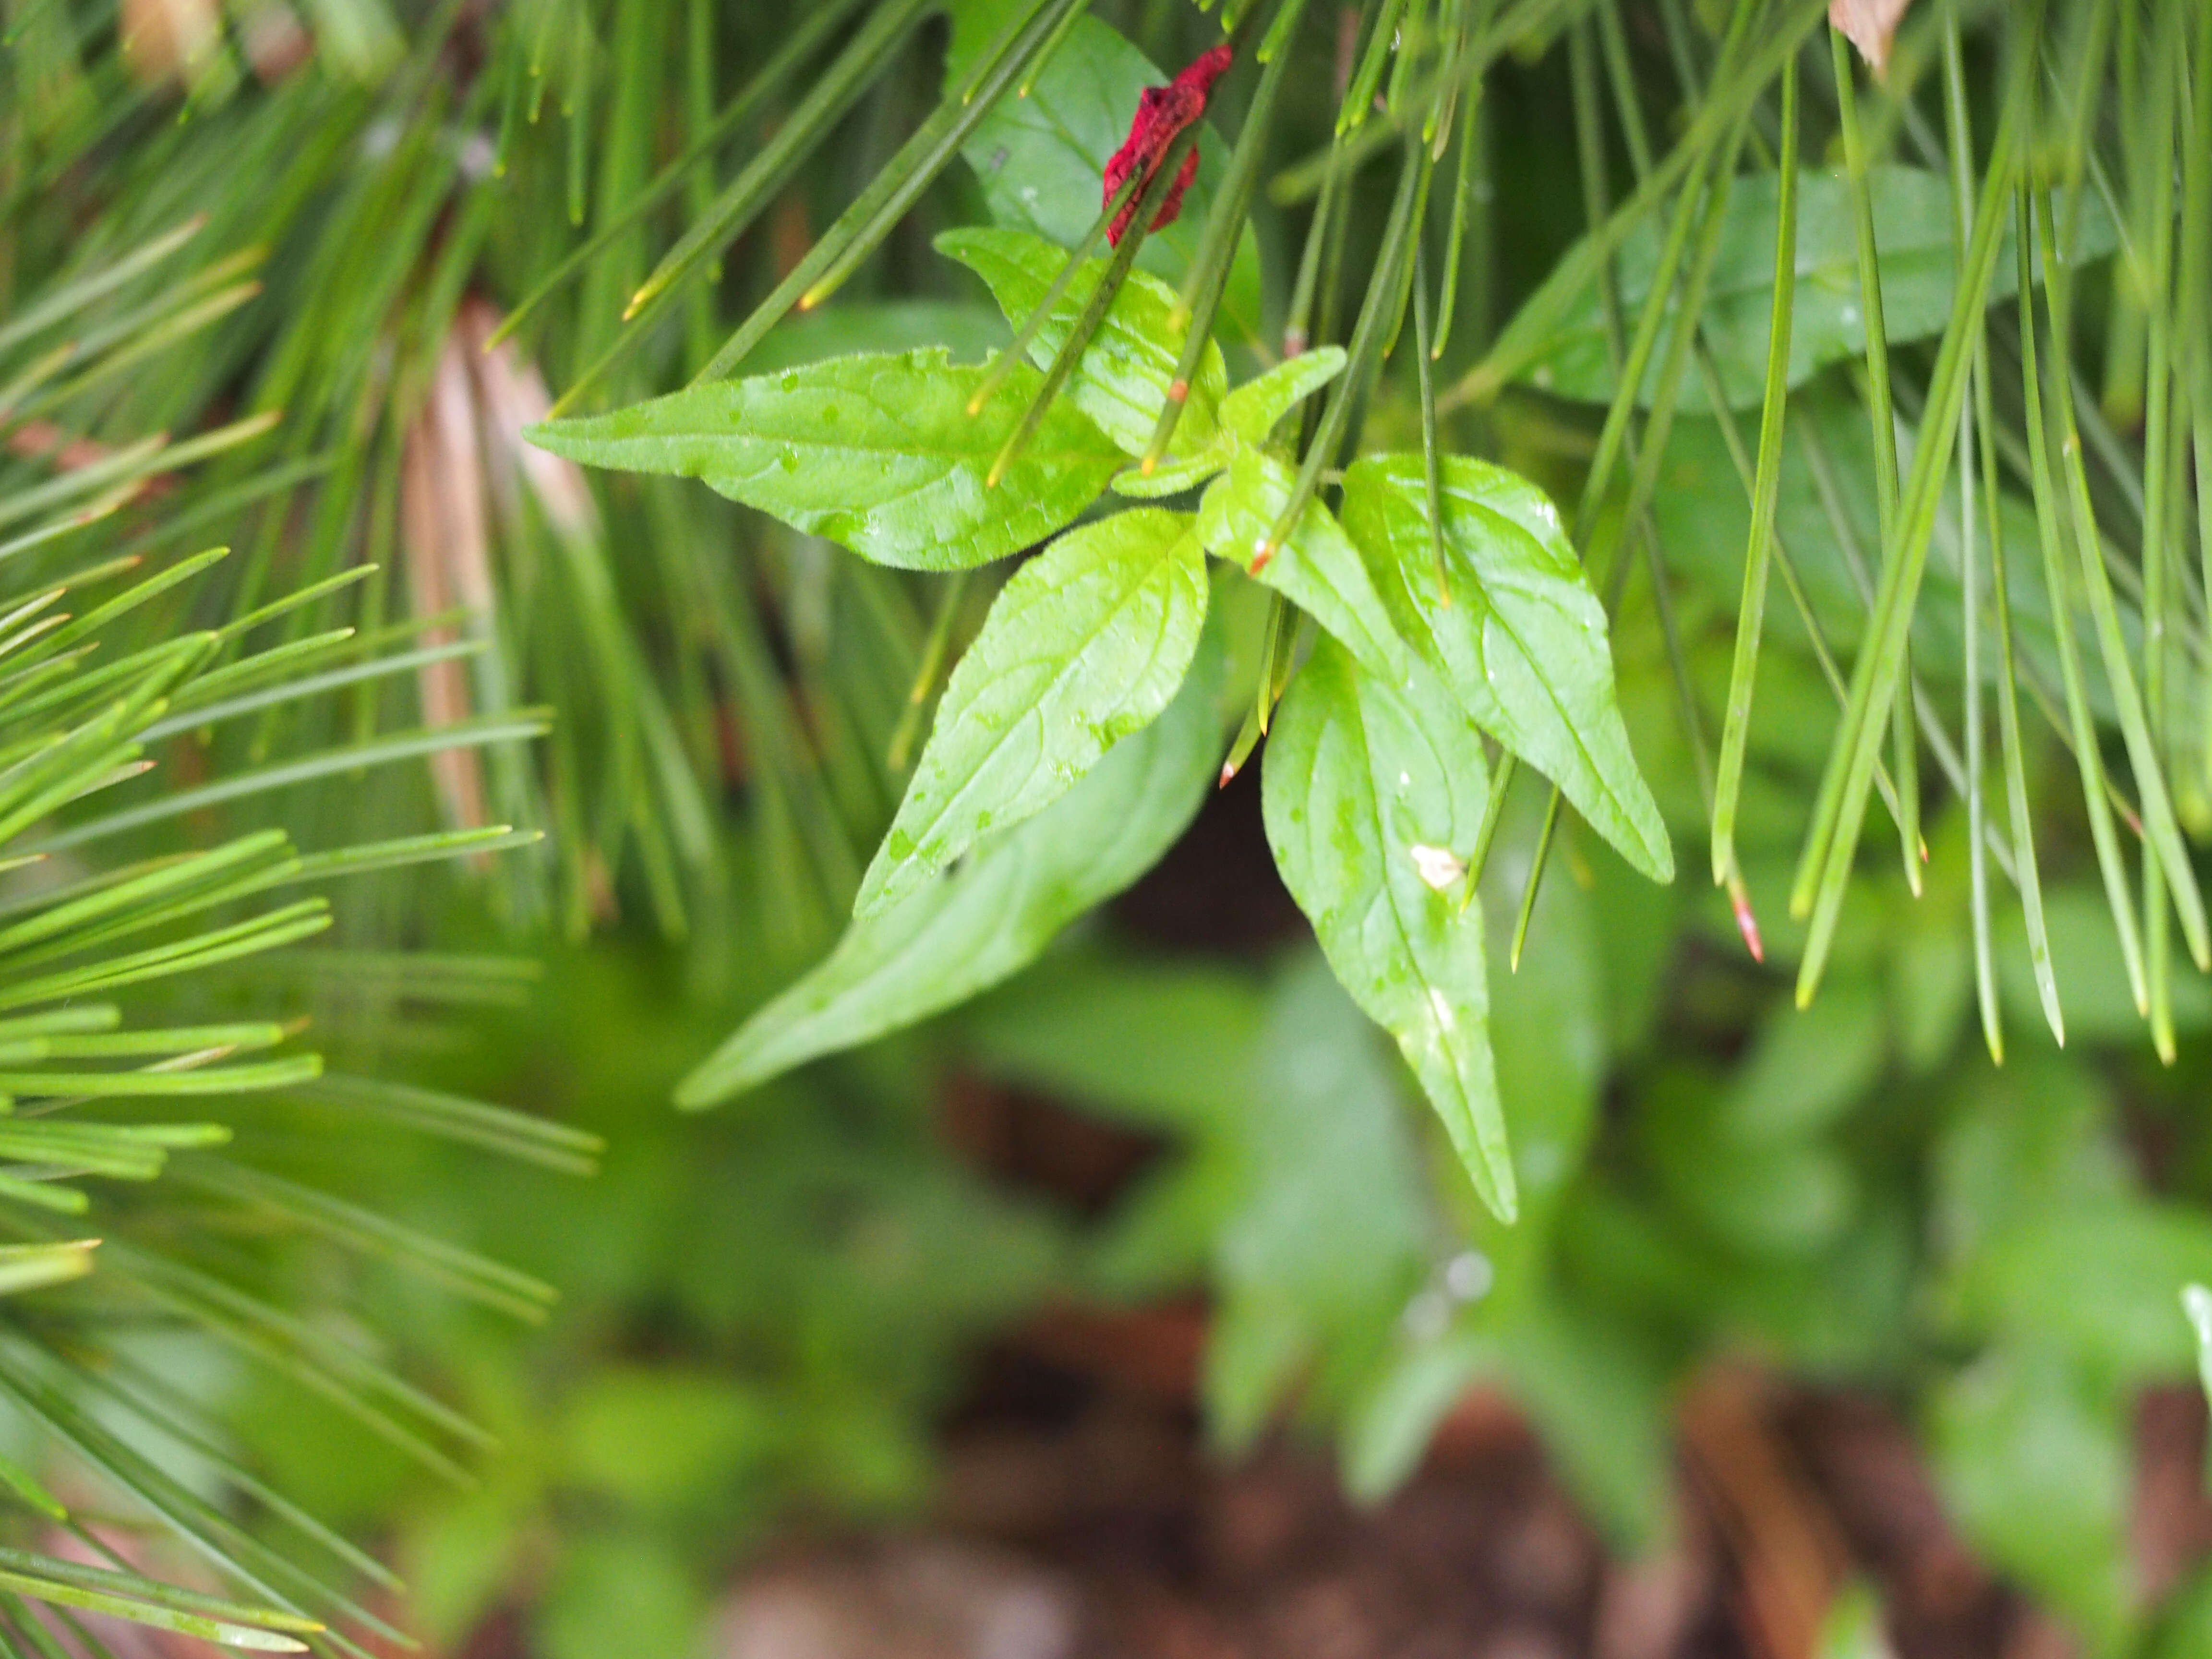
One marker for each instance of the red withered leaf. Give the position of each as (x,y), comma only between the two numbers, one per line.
(1162,112)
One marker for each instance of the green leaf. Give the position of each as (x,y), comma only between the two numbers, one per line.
(1317,569)
(992,919)
(1385,1437)
(2033,1460)
(878,453)
(1085,645)
(1064,1029)
(616,1589)
(2095,1280)
(1522,639)
(1174,476)
(1601,1400)
(1253,409)
(1329,1233)
(1370,792)
(1807,1067)
(1123,378)
(1042,158)
(659,1438)
(1915,216)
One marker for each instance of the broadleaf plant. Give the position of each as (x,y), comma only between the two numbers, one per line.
(919,462)
(1556,237)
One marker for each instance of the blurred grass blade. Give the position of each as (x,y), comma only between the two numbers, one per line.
(1378,318)
(1751,615)
(2087,753)
(378,751)
(1825,869)
(1958,131)
(2160,831)
(827,98)
(74,295)
(896,186)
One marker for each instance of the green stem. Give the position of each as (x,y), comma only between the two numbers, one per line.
(887,197)
(927,670)
(1017,350)
(1378,314)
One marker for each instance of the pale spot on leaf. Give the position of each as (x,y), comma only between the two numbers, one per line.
(1438,866)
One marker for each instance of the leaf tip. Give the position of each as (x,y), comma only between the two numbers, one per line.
(1746,922)
(698,1091)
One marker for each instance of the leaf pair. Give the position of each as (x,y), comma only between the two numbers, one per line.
(1376,784)
(1514,637)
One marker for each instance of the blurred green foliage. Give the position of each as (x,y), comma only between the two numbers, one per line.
(322,218)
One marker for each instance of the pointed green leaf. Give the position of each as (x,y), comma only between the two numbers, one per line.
(1124,373)
(1522,639)
(1372,794)
(1085,645)
(878,453)
(1913,216)
(1317,569)
(997,912)
(1253,409)
(1175,476)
